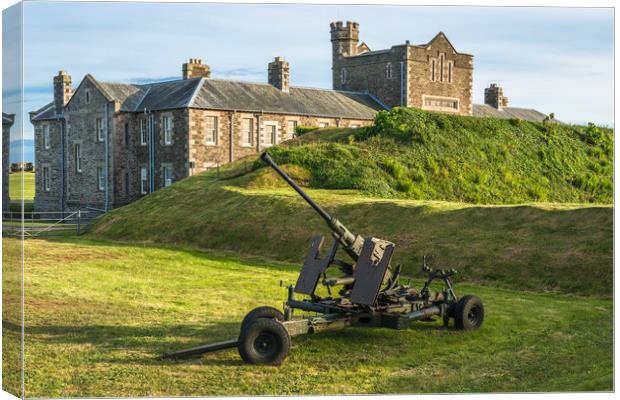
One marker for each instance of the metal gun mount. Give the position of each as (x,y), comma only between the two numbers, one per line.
(370,295)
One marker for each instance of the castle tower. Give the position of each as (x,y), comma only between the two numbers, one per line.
(196,69)
(62,90)
(494,96)
(344,40)
(278,74)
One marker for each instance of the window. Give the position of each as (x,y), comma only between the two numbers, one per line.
(100,133)
(388,71)
(143,132)
(167,176)
(270,135)
(450,71)
(323,124)
(291,128)
(126,184)
(143,182)
(46,136)
(433,70)
(46,179)
(126,134)
(211,133)
(441,58)
(343,75)
(100,179)
(87,96)
(77,154)
(247,131)
(167,127)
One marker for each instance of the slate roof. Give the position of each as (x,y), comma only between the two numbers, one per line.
(128,95)
(48,111)
(244,96)
(233,95)
(168,95)
(220,94)
(528,114)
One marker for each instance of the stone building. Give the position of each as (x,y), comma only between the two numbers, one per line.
(104,144)
(7,122)
(432,76)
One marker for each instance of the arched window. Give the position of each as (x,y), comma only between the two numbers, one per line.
(343,75)
(433,78)
(388,71)
(441,58)
(449,71)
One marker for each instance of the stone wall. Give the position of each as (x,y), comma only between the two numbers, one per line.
(6,140)
(203,156)
(421,84)
(86,106)
(380,74)
(175,154)
(403,74)
(50,158)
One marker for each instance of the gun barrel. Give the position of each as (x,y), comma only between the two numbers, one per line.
(266,158)
(352,243)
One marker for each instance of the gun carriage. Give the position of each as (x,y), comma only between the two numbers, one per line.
(370,294)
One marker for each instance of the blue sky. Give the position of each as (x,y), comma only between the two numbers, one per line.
(553,59)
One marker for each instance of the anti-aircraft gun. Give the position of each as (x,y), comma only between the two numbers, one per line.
(370,295)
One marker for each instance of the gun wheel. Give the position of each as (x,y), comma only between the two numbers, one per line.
(468,313)
(264,341)
(261,312)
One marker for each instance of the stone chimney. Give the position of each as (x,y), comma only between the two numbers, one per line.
(196,69)
(62,91)
(278,74)
(494,96)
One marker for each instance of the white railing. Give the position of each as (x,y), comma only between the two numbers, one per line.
(47,223)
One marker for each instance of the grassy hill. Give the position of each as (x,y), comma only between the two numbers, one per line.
(385,181)
(534,246)
(415,154)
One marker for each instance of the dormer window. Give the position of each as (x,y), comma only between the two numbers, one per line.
(388,71)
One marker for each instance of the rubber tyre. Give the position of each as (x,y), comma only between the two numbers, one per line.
(468,313)
(261,312)
(264,341)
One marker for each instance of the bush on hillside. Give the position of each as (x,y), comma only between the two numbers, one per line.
(423,155)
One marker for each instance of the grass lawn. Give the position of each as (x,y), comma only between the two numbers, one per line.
(15,186)
(98,315)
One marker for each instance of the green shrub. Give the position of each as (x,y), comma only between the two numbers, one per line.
(394,168)
(404,185)
(459,158)
(418,176)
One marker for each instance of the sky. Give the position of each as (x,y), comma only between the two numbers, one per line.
(556,60)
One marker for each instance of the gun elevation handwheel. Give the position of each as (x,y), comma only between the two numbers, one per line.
(264,341)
